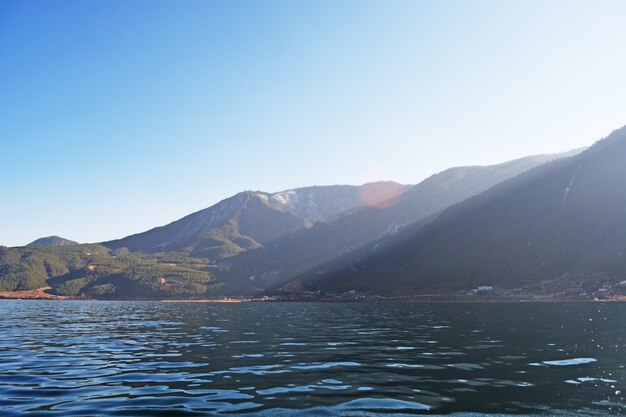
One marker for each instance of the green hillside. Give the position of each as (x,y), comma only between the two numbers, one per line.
(94,271)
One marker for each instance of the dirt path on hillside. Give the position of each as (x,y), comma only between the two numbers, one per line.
(40,293)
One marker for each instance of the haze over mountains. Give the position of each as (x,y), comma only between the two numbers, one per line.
(566,218)
(509,225)
(345,239)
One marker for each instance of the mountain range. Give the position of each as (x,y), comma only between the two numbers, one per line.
(367,229)
(513,225)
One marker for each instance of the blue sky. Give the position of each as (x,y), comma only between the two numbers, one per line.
(118,116)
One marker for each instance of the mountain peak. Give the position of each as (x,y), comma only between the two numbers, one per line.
(53,240)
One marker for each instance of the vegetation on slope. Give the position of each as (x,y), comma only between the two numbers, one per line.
(94,271)
(228,228)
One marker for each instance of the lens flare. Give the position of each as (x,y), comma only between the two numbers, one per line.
(380,194)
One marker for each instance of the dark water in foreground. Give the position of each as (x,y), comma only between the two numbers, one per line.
(272,359)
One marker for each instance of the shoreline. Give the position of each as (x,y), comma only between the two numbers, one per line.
(45,294)
(36,294)
(224,300)
(406,300)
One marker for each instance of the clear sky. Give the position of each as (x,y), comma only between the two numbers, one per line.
(117,116)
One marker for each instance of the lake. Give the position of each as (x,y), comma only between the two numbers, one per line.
(310,359)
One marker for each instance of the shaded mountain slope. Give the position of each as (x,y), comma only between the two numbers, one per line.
(565,217)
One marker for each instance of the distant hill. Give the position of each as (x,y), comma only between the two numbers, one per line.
(250,220)
(295,255)
(53,240)
(566,218)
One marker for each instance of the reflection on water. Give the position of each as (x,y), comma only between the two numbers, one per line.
(273,359)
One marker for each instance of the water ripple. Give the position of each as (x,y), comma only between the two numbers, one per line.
(62,358)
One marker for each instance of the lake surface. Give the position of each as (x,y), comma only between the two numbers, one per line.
(311,359)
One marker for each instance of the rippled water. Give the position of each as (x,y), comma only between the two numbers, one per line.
(178,359)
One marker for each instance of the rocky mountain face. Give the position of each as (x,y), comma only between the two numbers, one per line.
(326,203)
(566,218)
